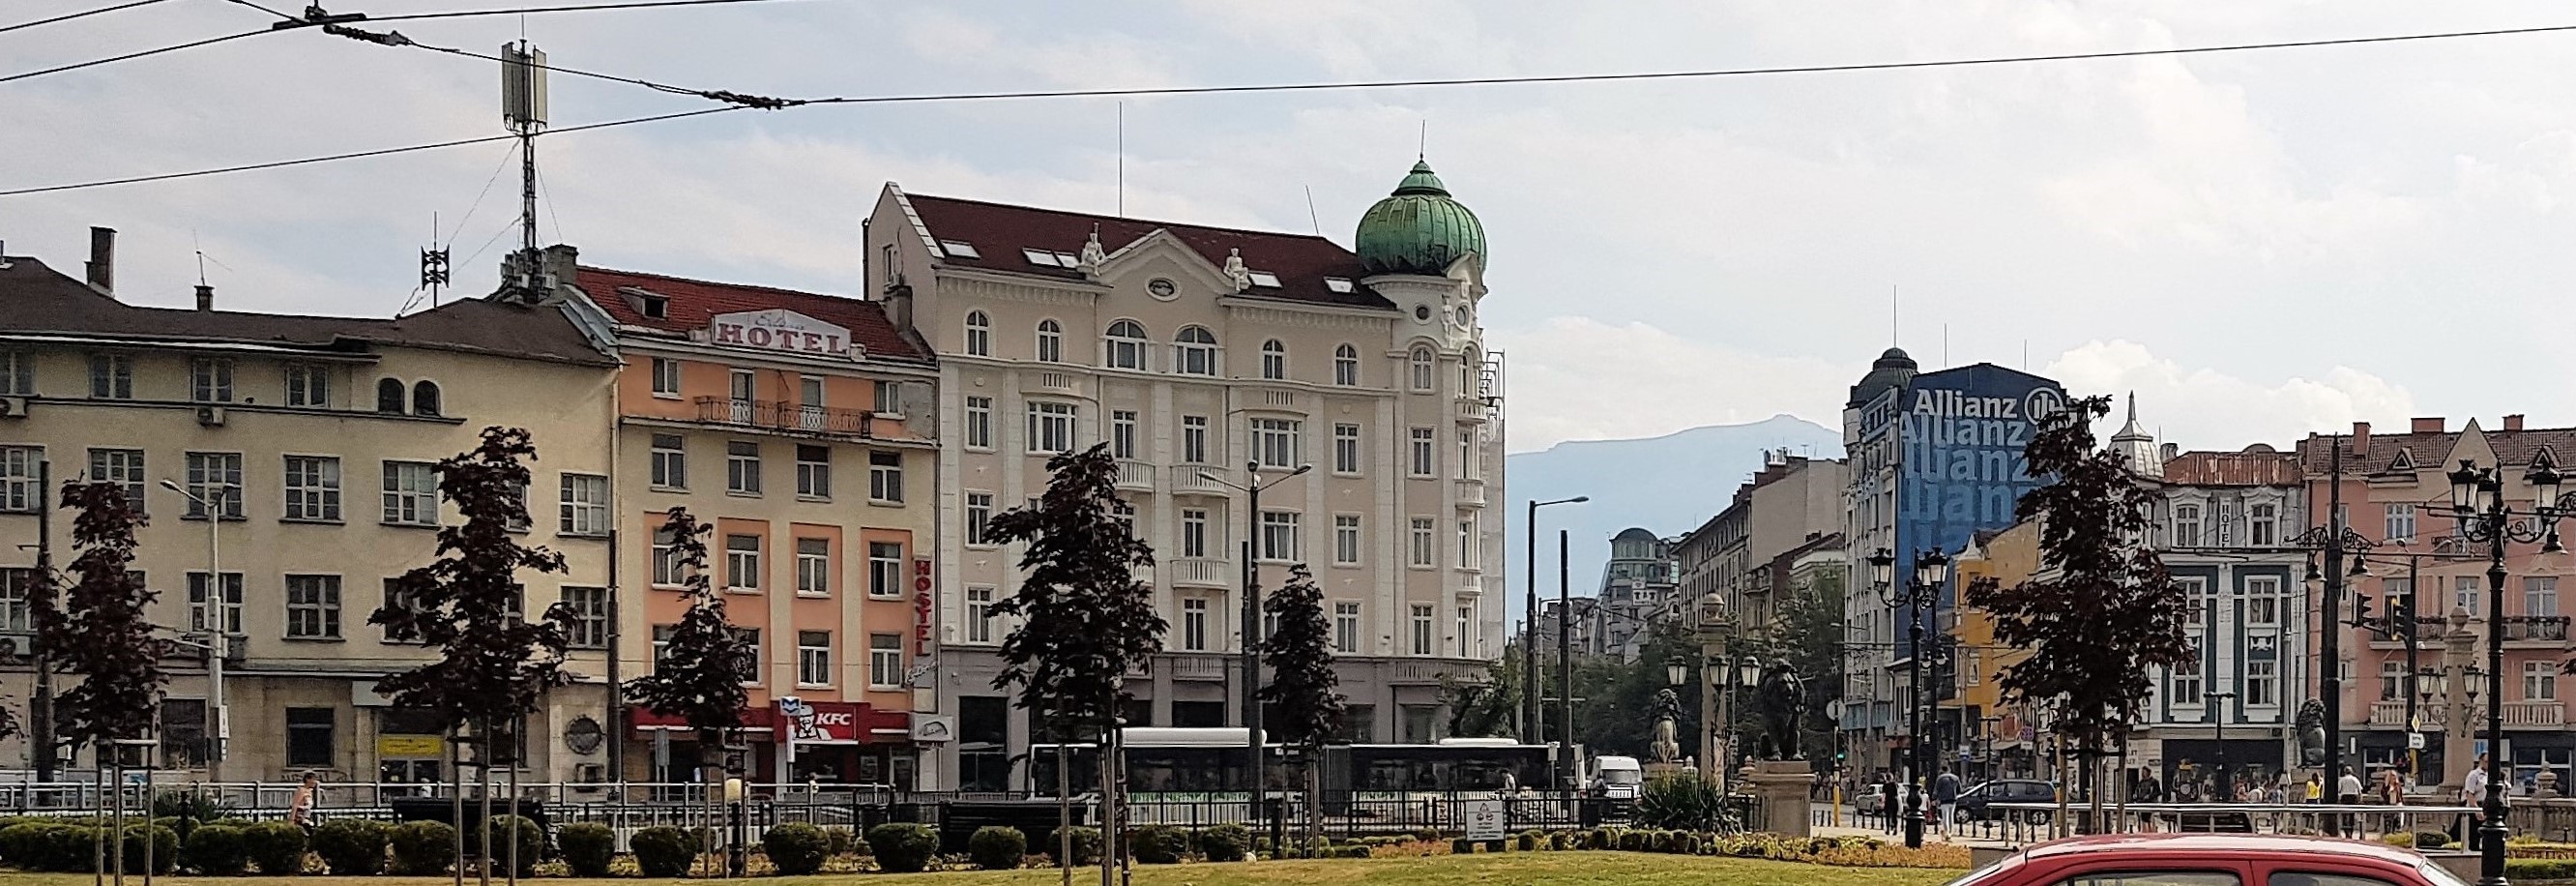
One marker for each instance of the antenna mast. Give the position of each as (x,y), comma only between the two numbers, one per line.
(523,110)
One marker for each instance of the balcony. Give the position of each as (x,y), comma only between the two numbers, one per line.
(2428,634)
(1195,667)
(2392,714)
(1186,480)
(1470,492)
(773,415)
(2534,714)
(2543,628)
(1133,474)
(1202,572)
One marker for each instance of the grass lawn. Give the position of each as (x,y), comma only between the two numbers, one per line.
(1517,869)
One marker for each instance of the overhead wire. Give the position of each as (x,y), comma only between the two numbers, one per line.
(69,16)
(1261,87)
(92,63)
(588,7)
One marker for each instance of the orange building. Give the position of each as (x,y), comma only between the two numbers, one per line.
(797,425)
(1982,734)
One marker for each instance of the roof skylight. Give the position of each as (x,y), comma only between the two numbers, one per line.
(1337,284)
(960,248)
(1264,279)
(1040,257)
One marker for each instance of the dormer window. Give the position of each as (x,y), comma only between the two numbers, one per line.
(657,307)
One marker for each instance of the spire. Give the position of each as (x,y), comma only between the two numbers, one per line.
(2131,431)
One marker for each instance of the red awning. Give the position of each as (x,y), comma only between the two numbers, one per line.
(844,722)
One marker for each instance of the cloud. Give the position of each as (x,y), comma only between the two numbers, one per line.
(2209,409)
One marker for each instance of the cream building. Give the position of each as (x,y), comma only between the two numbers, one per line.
(312,440)
(1193,351)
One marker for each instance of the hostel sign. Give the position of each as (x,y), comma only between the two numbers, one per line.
(779,329)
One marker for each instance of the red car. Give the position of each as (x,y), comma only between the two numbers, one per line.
(2211,860)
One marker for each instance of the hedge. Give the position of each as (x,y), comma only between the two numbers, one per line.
(664,851)
(903,847)
(997,847)
(352,847)
(423,848)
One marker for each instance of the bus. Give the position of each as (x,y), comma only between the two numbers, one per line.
(1450,767)
(1196,775)
(1163,763)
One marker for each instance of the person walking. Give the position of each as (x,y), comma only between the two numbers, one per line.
(2473,793)
(299,811)
(1945,793)
(1889,803)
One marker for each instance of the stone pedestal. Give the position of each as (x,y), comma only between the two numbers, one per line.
(1779,789)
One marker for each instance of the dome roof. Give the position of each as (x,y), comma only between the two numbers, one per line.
(1635,533)
(1418,229)
(1892,368)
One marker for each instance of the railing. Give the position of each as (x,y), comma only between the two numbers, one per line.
(2024,823)
(2428,631)
(1186,480)
(2535,627)
(2534,713)
(1196,667)
(1061,381)
(775,415)
(1203,572)
(1133,474)
(1471,492)
(2392,714)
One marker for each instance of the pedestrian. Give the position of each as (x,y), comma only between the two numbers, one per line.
(1888,803)
(1945,793)
(2148,790)
(300,811)
(2473,792)
(2316,788)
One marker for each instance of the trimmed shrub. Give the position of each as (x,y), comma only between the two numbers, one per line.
(1225,842)
(423,848)
(2431,839)
(163,848)
(1601,838)
(664,851)
(796,848)
(1086,847)
(1528,841)
(1158,844)
(587,848)
(69,847)
(276,847)
(352,847)
(2540,868)
(22,843)
(215,850)
(530,837)
(1632,841)
(840,840)
(903,847)
(997,847)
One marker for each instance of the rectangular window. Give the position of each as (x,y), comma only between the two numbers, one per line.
(1122,433)
(1194,439)
(1422,545)
(979,517)
(308,385)
(111,377)
(410,494)
(885,569)
(666,377)
(1346,539)
(2539,681)
(313,488)
(18,489)
(1346,449)
(2262,601)
(123,467)
(885,661)
(2186,526)
(1346,627)
(889,398)
(813,567)
(16,586)
(813,658)
(1051,427)
(2401,522)
(313,607)
(751,669)
(1421,629)
(666,560)
(1466,455)
(2392,680)
(979,422)
(1469,550)
(2261,678)
(1274,442)
(2263,527)
(1194,624)
(1422,453)
(814,471)
(742,562)
(17,373)
(2195,599)
(589,607)
(979,613)
(208,610)
(309,738)
(1279,536)
(215,478)
(1466,628)
(885,476)
(2540,595)
(581,505)
(1194,532)
(2184,679)
(2468,592)
(742,467)
(210,380)
(670,462)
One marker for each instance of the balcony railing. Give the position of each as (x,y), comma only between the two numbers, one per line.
(2429,630)
(1195,667)
(1203,572)
(1133,474)
(775,415)
(2535,627)
(2547,714)
(1186,480)
(1471,492)
(2392,714)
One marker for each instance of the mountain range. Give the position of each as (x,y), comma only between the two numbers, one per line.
(1668,485)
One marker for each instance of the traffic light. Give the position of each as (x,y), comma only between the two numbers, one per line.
(2361,611)
(2402,610)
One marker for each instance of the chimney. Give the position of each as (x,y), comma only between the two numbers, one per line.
(101,272)
(2513,422)
(558,266)
(2169,452)
(898,305)
(205,297)
(2360,438)
(2427,425)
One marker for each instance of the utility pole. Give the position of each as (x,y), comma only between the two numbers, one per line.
(41,708)
(2330,672)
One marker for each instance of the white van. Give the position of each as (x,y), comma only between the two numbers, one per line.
(1617,777)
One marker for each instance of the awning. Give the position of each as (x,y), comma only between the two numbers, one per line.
(838,722)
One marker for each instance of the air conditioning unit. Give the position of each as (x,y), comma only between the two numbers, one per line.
(590,773)
(236,648)
(13,407)
(210,416)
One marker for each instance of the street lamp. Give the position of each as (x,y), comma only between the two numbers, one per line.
(1531,715)
(216,639)
(2214,703)
(2478,503)
(1921,592)
(1251,627)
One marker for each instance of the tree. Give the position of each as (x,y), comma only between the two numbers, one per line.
(698,674)
(2101,610)
(1807,630)
(493,664)
(1303,690)
(1085,618)
(99,630)
(1487,708)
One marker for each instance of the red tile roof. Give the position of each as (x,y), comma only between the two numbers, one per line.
(692,303)
(2427,450)
(2258,465)
(999,231)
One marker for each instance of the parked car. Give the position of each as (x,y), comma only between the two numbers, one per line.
(2211,860)
(1973,801)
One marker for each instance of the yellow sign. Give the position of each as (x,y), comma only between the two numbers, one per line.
(411,746)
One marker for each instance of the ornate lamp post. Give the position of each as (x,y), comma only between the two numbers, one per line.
(1918,596)
(2478,503)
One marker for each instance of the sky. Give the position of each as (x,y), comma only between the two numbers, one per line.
(2259,244)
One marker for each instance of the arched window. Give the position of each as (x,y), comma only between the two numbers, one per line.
(1467,373)
(1194,352)
(1050,341)
(424,398)
(1125,348)
(1274,359)
(979,334)
(1422,368)
(389,395)
(1346,366)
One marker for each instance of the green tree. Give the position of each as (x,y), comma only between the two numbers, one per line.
(1303,690)
(698,674)
(99,631)
(1486,708)
(1807,630)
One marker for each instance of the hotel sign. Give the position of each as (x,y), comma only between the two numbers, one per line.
(779,329)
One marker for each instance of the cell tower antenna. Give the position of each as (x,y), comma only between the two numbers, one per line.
(523,110)
(433,262)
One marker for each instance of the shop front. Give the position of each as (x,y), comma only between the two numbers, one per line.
(830,743)
(2213,770)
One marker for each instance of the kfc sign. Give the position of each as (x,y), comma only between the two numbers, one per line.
(779,329)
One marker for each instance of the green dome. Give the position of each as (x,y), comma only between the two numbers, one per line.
(1418,229)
